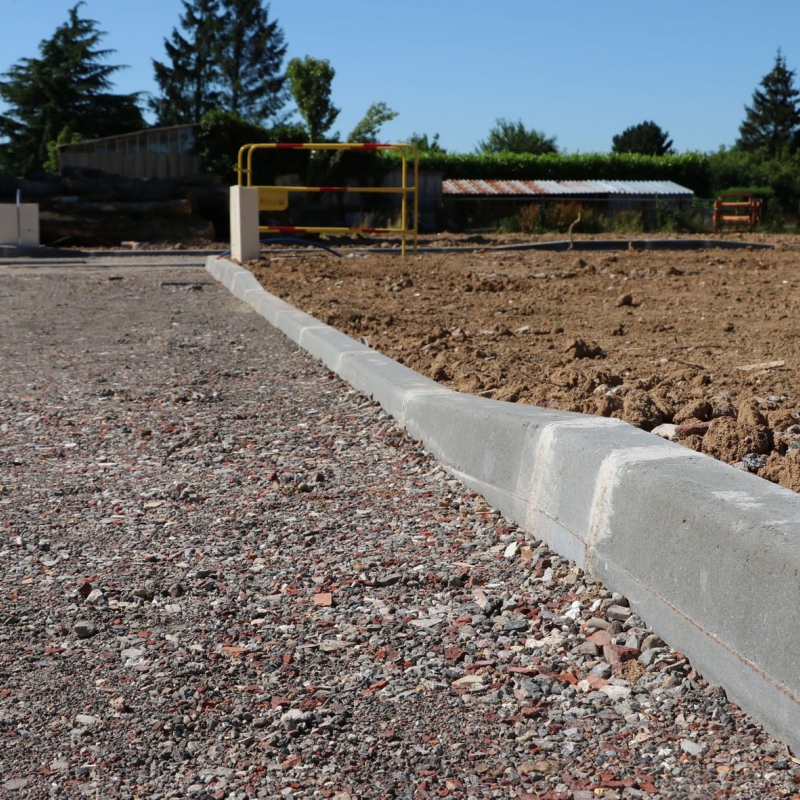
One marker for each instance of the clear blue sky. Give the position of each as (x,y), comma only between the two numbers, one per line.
(581,71)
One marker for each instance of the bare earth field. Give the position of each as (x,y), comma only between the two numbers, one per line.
(703,343)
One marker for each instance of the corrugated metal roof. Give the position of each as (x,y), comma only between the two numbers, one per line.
(571,188)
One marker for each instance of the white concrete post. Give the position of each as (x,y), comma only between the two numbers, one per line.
(19,224)
(244,223)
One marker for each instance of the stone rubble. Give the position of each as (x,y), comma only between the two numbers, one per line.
(228,575)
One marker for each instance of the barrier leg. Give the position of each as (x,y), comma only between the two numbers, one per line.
(244,223)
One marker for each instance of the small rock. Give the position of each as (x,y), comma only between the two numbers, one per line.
(85,629)
(323,599)
(692,748)
(119,704)
(620,613)
(295,718)
(666,431)
(753,462)
(616,692)
(96,597)
(650,641)
(388,579)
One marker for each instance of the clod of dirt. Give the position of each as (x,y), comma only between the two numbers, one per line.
(438,370)
(700,410)
(783,469)
(625,300)
(780,420)
(749,414)
(722,406)
(640,409)
(578,348)
(731,440)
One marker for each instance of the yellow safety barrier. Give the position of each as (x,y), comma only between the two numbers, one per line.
(276,198)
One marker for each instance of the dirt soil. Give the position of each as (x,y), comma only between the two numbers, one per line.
(698,346)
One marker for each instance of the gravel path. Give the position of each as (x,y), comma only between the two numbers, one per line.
(227,575)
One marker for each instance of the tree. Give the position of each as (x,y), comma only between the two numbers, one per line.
(424,144)
(772,123)
(646,138)
(188,83)
(67,88)
(368,127)
(310,82)
(513,137)
(251,53)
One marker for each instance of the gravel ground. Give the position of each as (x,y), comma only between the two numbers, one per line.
(227,575)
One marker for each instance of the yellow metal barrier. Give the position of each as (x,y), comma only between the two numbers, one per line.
(276,198)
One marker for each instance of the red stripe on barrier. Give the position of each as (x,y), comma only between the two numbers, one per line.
(333,188)
(286,229)
(289,145)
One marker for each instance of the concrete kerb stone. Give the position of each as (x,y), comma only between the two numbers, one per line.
(708,554)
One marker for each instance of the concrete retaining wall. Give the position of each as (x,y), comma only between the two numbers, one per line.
(708,555)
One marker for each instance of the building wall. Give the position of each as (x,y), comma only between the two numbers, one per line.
(136,165)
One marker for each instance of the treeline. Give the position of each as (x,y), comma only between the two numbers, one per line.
(223,67)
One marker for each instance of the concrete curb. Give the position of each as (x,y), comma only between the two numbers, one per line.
(707,554)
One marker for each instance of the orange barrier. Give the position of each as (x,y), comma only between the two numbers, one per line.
(735,210)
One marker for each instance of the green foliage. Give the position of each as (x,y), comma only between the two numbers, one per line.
(772,123)
(229,56)
(513,137)
(67,86)
(646,138)
(251,52)
(369,126)
(67,136)
(221,135)
(188,79)
(425,145)
(781,175)
(310,82)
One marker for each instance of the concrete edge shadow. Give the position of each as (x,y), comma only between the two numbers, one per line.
(707,554)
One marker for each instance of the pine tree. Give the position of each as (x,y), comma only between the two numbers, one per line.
(188,80)
(646,138)
(66,88)
(772,123)
(251,56)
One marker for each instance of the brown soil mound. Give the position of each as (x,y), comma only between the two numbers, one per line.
(705,341)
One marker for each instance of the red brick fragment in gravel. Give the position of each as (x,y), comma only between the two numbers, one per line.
(323,599)
(600,638)
(616,655)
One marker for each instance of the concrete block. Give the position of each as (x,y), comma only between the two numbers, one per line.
(19,224)
(710,556)
(244,223)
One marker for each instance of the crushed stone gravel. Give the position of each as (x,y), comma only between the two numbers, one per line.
(225,574)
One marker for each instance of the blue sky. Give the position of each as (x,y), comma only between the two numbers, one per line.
(581,71)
